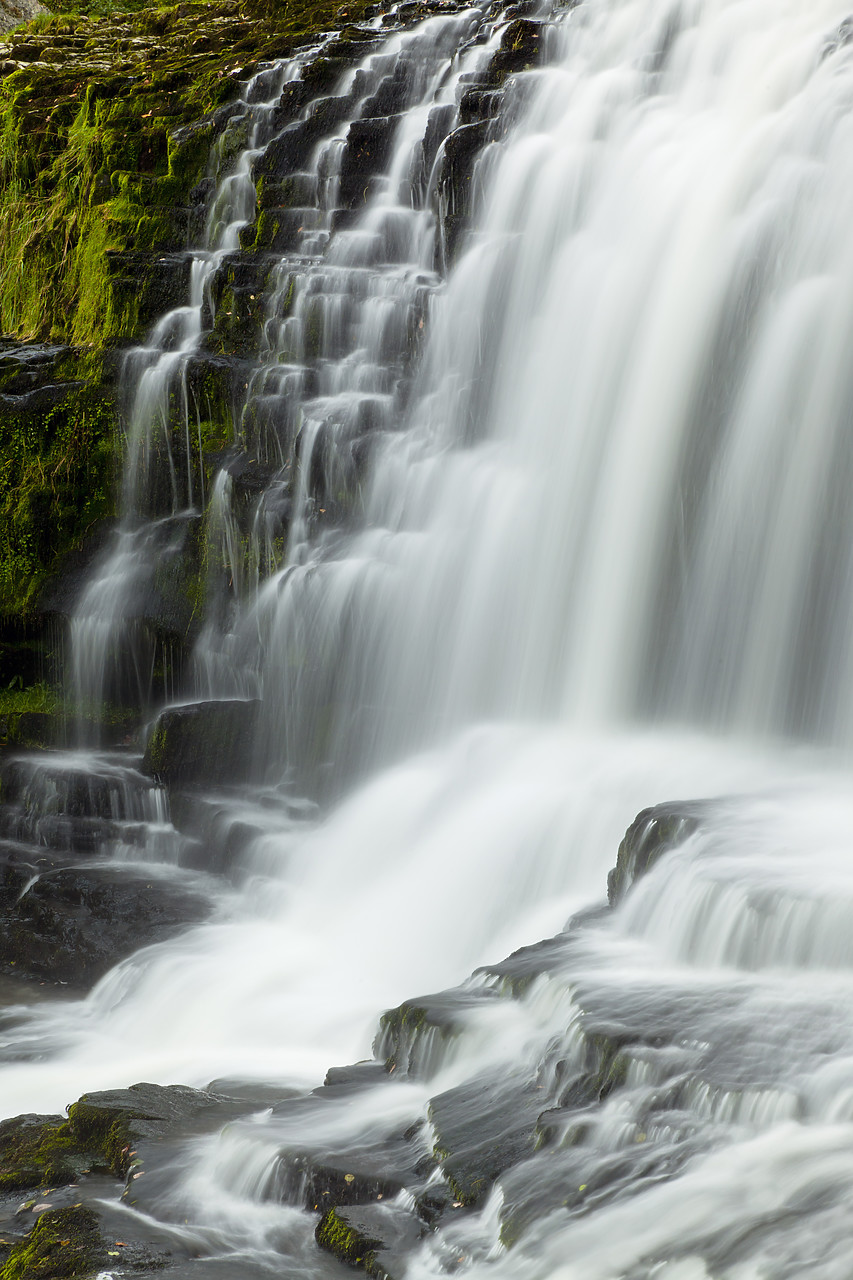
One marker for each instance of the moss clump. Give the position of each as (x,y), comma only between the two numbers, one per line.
(38,699)
(63,1245)
(344,1241)
(39,1151)
(105,1131)
(31,717)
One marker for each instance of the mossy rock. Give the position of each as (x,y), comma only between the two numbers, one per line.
(345,1241)
(57,470)
(65,1244)
(374,1239)
(112,1122)
(412,1038)
(39,1151)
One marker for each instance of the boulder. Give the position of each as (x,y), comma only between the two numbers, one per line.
(202,742)
(73,924)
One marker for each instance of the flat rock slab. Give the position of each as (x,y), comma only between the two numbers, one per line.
(73,924)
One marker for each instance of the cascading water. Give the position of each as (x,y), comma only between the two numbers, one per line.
(159,497)
(590,551)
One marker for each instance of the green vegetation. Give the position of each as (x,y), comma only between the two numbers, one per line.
(57,470)
(38,1151)
(65,1244)
(339,1237)
(105,131)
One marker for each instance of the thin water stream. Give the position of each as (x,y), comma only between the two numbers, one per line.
(588,549)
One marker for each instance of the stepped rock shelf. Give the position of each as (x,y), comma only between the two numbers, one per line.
(376,1198)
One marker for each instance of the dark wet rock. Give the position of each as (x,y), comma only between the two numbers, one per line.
(356,1077)
(367,152)
(26,367)
(478,104)
(461,150)
(73,924)
(215,839)
(294,191)
(375,1239)
(360,1171)
(289,152)
(483,1128)
(50,785)
(653,833)
(214,384)
(441,120)
(392,93)
(151,284)
(520,48)
(207,742)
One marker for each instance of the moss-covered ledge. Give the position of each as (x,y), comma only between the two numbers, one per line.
(108,113)
(96,159)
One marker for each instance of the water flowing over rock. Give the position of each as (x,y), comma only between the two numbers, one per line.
(475,622)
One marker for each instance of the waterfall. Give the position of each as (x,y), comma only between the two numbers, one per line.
(533,518)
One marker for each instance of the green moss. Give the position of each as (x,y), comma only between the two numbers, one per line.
(37,1151)
(98,1129)
(65,1244)
(337,1237)
(57,480)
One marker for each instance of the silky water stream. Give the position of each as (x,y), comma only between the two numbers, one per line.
(600,558)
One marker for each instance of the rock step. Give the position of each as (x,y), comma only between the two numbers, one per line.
(62,785)
(483,1128)
(413,1039)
